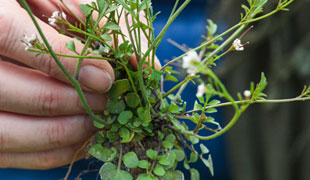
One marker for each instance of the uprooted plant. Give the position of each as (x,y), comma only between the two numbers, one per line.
(143,131)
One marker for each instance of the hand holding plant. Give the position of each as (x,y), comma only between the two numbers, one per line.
(143,134)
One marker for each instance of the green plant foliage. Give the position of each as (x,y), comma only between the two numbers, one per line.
(141,119)
(131,160)
(102,153)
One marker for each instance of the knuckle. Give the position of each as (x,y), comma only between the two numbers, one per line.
(48,102)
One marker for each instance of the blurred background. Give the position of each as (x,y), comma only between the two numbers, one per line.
(270,142)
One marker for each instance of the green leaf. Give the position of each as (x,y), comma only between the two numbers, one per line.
(204,149)
(214,102)
(123,175)
(131,160)
(113,136)
(170,138)
(167,144)
(164,160)
(173,175)
(146,177)
(119,87)
(125,134)
(121,2)
(107,171)
(144,164)
(144,114)
(124,117)
(194,174)
(106,37)
(209,164)
(102,153)
(85,9)
(211,27)
(98,124)
(102,5)
(71,46)
(151,154)
(111,26)
(156,75)
(171,78)
(159,170)
(115,107)
(174,108)
(132,100)
(194,139)
(180,155)
(193,157)
(260,87)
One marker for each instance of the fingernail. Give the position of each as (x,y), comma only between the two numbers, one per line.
(95,78)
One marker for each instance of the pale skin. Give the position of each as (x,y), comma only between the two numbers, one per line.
(42,122)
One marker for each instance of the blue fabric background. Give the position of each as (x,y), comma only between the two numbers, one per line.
(187,29)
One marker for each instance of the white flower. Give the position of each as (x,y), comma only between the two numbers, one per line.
(237,45)
(190,62)
(29,41)
(56,15)
(63,15)
(247,93)
(201,90)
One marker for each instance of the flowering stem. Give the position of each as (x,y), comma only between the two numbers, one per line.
(260,101)
(74,82)
(188,78)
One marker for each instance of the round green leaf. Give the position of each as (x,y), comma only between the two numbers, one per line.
(124,117)
(132,100)
(173,175)
(163,160)
(124,133)
(146,177)
(131,160)
(167,144)
(179,154)
(102,153)
(107,171)
(151,154)
(159,170)
(144,164)
(170,138)
(115,107)
(194,174)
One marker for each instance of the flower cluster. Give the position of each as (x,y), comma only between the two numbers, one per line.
(237,45)
(29,41)
(190,62)
(201,89)
(55,16)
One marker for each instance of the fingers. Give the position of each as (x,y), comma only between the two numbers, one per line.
(96,75)
(40,160)
(28,91)
(20,133)
(54,5)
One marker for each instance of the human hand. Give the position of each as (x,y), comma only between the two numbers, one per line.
(41,118)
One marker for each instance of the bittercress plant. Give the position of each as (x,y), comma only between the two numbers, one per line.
(143,131)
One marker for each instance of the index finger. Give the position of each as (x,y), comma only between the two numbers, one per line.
(96,75)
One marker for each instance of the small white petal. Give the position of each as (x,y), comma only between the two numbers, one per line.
(190,61)
(201,90)
(55,15)
(247,93)
(237,45)
(63,15)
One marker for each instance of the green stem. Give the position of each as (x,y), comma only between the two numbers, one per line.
(188,78)
(67,74)
(260,101)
